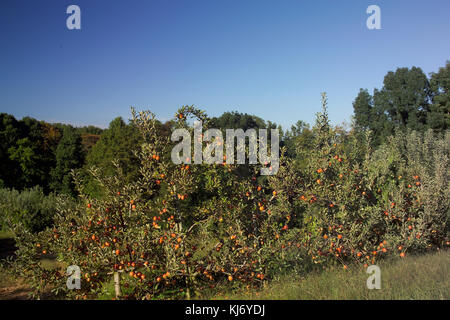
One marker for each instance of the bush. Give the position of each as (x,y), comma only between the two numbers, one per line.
(30,207)
(412,175)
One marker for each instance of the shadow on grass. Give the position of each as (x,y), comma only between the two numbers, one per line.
(7,248)
(14,293)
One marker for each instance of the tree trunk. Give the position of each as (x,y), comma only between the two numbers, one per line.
(117,284)
(187,279)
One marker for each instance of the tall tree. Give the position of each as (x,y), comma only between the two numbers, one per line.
(405,99)
(69,156)
(9,135)
(298,137)
(362,107)
(44,139)
(402,103)
(439,116)
(117,143)
(25,154)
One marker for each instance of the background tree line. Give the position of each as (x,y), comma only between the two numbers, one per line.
(37,153)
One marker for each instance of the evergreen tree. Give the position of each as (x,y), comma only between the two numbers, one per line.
(363,109)
(69,156)
(9,135)
(299,136)
(118,142)
(25,154)
(439,116)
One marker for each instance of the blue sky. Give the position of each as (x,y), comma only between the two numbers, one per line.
(268,58)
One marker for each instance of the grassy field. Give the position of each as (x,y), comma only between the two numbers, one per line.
(415,277)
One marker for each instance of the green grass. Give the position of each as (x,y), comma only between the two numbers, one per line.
(6,235)
(6,278)
(416,277)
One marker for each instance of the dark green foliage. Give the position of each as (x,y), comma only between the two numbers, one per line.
(89,130)
(26,152)
(363,108)
(236,120)
(407,100)
(81,130)
(406,97)
(117,142)
(9,134)
(69,156)
(297,138)
(439,116)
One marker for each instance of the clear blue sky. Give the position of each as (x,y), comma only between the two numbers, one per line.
(268,58)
